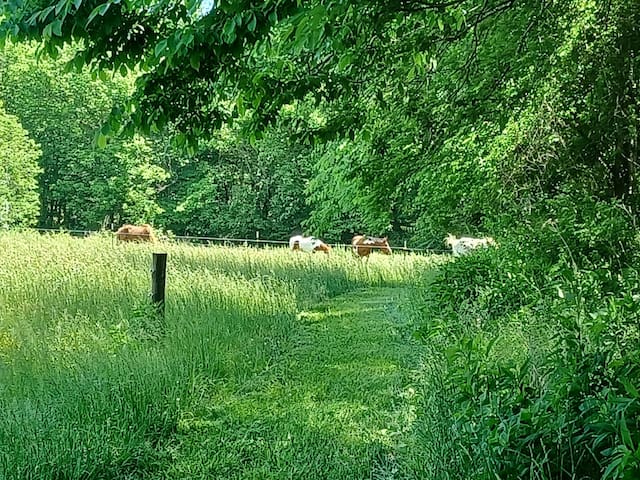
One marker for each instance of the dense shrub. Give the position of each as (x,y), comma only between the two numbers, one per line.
(540,343)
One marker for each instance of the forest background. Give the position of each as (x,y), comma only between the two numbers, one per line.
(425,120)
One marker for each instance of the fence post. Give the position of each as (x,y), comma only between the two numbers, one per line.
(158,280)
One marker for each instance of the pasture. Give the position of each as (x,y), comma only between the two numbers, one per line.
(94,385)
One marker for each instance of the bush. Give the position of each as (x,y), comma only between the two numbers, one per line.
(541,348)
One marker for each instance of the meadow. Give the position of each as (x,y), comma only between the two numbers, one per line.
(93,384)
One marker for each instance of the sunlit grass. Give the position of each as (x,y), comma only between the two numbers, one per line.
(92,383)
(341,405)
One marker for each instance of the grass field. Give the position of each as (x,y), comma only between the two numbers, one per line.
(234,383)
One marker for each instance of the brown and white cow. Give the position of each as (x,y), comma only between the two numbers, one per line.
(363,245)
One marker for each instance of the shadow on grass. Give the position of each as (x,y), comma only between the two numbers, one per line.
(341,405)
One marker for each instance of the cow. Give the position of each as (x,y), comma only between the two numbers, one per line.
(136,233)
(308,244)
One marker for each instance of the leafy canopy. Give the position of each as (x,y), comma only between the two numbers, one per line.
(204,64)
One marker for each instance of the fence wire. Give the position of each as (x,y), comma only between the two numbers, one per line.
(230,240)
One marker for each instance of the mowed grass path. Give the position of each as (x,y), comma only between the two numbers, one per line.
(341,404)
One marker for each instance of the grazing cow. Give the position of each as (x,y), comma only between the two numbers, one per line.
(363,245)
(308,244)
(136,233)
(465,245)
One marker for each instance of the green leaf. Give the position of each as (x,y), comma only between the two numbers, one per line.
(609,472)
(57,28)
(92,15)
(194,60)
(79,63)
(33,18)
(160,47)
(45,13)
(345,61)
(631,390)
(240,105)
(180,139)
(625,434)
(101,141)
(229,31)
(229,27)
(459,20)
(46,31)
(251,26)
(188,39)
(61,4)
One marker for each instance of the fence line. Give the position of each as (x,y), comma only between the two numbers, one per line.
(228,239)
(237,240)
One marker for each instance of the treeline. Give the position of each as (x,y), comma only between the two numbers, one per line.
(521,116)
(58,176)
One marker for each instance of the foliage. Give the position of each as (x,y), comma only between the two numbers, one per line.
(18,173)
(80,184)
(543,99)
(340,204)
(233,189)
(538,343)
(241,55)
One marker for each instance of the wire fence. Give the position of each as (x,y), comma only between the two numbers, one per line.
(228,241)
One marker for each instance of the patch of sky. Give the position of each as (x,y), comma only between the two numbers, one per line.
(206,6)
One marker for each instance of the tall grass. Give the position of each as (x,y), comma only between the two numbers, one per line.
(91,380)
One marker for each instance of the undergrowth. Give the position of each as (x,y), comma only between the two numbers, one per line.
(538,357)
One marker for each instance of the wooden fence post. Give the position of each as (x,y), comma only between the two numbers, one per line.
(158,280)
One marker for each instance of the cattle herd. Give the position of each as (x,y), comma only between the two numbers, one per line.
(361,245)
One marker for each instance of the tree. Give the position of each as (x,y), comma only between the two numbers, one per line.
(436,105)
(18,173)
(203,66)
(80,185)
(233,189)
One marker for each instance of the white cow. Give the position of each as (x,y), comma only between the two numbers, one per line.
(464,245)
(308,244)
